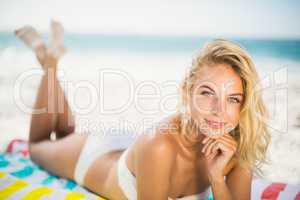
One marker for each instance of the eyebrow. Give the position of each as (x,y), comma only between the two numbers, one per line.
(205,86)
(233,94)
(237,94)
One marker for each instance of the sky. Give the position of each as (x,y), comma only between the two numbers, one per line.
(260,19)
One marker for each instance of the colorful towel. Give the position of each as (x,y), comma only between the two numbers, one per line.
(20,178)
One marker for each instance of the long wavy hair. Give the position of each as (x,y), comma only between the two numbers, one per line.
(251,133)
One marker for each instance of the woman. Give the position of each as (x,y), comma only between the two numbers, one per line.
(216,139)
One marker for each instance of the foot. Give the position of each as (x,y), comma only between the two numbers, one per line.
(33,40)
(56,47)
(47,56)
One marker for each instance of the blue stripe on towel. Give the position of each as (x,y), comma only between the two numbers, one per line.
(70,185)
(23,173)
(3,161)
(23,160)
(49,180)
(210,197)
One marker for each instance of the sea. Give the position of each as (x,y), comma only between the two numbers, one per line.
(114,80)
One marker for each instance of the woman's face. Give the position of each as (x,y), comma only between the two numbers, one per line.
(216,100)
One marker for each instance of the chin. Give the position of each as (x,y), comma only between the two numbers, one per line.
(213,133)
(209,131)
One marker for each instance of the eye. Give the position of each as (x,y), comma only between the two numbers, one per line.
(207,93)
(234,100)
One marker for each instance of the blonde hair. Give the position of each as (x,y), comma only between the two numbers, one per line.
(251,133)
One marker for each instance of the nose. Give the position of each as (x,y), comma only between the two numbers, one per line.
(218,107)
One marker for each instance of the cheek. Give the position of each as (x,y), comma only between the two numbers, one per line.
(233,114)
(201,104)
(200,109)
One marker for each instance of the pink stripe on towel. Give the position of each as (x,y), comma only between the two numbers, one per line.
(272,191)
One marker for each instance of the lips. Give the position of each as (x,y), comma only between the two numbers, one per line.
(215,124)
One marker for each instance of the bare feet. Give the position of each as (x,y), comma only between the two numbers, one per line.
(47,56)
(56,47)
(33,40)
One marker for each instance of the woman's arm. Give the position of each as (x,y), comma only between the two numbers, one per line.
(220,190)
(239,182)
(154,161)
(218,153)
(236,186)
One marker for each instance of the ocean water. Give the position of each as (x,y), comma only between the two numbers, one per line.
(107,79)
(285,48)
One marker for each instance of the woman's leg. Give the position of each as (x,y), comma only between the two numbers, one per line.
(60,156)
(57,116)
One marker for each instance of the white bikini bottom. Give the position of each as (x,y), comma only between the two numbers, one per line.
(97,145)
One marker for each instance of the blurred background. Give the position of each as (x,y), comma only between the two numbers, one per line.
(126,59)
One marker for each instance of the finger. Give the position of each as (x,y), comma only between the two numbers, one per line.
(205,140)
(228,136)
(206,145)
(209,148)
(215,148)
(230,146)
(211,155)
(223,147)
(227,141)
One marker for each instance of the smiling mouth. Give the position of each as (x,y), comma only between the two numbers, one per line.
(215,124)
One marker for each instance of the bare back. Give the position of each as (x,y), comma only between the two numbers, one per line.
(188,175)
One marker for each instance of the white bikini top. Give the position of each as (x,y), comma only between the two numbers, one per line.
(127,183)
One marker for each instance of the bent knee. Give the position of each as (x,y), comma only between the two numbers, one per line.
(42,152)
(33,149)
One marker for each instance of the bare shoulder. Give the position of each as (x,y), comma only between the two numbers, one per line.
(159,143)
(156,144)
(237,169)
(230,166)
(154,162)
(234,165)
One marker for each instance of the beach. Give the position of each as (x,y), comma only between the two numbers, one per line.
(133,81)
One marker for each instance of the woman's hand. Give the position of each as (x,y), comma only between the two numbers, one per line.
(218,153)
